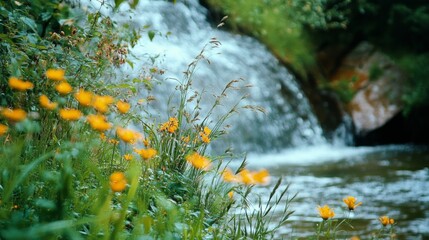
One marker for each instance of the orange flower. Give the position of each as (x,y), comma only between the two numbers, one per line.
(123,107)
(20,85)
(198,161)
(205,135)
(55,74)
(326,212)
(128,157)
(46,103)
(118,183)
(101,103)
(3,129)
(83,97)
(146,153)
(186,139)
(70,114)
(171,126)
(228,176)
(103,136)
(351,202)
(64,88)
(261,177)
(15,115)
(231,194)
(98,122)
(146,142)
(385,220)
(126,135)
(246,177)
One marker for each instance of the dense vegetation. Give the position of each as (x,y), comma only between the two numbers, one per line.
(296,30)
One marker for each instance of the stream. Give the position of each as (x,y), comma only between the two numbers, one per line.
(388,180)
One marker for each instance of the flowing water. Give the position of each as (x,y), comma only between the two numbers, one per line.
(288,140)
(388,180)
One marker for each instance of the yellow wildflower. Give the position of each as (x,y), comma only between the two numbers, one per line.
(246,177)
(171,126)
(15,115)
(198,161)
(385,220)
(228,176)
(20,85)
(101,103)
(146,142)
(103,136)
(118,182)
(3,129)
(186,139)
(123,107)
(351,202)
(326,212)
(207,130)
(55,74)
(98,122)
(261,177)
(46,103)
(113,141)
(146,153)
(83,97)
(64,88)
(231,194)
(70,114)
(205,135)
(127,135)
(128,157)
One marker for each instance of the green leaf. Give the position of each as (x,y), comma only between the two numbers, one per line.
(134,3)
(151,35)
(118,2)
(30,23)
(130,63)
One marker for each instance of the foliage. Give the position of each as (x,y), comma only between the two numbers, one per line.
(417,94)
(283,25)
(296,30)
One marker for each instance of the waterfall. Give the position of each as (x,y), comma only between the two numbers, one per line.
(288,121)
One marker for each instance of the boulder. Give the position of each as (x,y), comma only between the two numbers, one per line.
(377,84)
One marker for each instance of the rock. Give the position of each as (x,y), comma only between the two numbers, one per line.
(378,86)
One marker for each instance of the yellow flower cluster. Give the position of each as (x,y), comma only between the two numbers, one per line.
(198,161)
(171,126)
(246,177)
(118,182)
(385,220)
(205,135)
